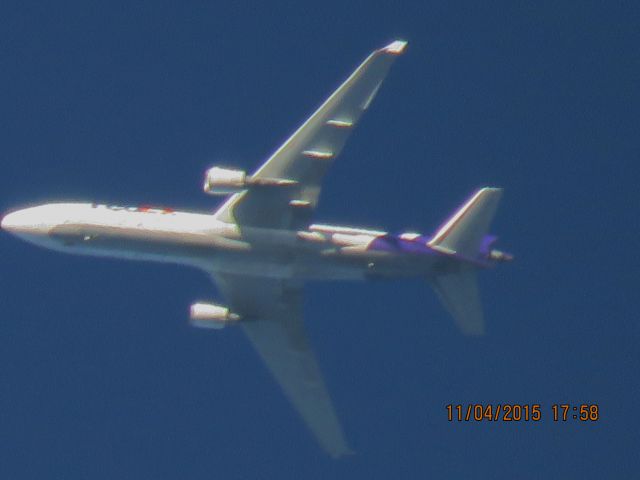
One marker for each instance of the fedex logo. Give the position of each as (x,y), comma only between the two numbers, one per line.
(141,208)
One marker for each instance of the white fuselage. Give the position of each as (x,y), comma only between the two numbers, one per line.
(199,240)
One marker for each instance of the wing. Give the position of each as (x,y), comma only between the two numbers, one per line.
(274,325)
(308,153)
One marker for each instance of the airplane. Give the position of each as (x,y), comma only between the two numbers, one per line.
(261,245)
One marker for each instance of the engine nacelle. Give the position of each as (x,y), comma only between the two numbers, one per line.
(224,181)
(210,315)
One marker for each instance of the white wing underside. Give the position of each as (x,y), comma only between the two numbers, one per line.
(310,151)
(275,327)
(273,308)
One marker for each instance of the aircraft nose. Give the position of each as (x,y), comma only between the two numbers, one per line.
(24,222)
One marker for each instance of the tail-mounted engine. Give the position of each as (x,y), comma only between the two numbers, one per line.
(225,181)
(500,256)
(210,315)
(493,254)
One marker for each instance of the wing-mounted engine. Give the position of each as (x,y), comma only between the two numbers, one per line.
(210,315)
(226,181)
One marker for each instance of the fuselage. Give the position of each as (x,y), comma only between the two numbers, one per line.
(259,246)
(199,240)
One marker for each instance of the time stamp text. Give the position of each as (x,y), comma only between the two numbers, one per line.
(522,412)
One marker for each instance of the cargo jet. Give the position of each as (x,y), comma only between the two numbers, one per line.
(260,246)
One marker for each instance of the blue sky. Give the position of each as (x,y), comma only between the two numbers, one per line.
(128,103)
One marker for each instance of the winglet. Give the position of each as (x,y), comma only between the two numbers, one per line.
(395,48)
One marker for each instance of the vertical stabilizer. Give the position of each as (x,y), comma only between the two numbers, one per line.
(464,232)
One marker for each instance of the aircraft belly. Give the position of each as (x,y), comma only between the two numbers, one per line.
(190,248)
(299,266)
(269,254)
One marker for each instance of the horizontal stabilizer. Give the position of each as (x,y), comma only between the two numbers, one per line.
(460,296)
(464,232)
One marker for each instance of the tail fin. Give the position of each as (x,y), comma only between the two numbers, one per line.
(459,295)
(464,232)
